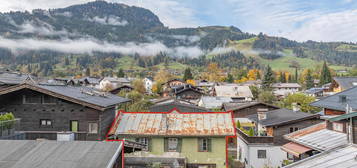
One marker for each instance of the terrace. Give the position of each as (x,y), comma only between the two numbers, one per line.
(254,139)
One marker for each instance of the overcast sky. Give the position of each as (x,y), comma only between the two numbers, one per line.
(301,20)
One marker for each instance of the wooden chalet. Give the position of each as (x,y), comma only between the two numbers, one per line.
(46,109)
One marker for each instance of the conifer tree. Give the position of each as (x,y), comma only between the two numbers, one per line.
(187,75)
(120,73)
(309,80)
(325,76)
(268,78)
(230,78)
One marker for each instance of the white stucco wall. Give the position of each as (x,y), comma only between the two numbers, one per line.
(274,155)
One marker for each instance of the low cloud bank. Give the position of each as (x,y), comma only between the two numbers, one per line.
(88,46)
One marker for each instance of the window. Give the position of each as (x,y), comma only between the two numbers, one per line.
(46,99)
(172,144)
(74,125)
(293,129)
(93,127)
(262,154)
(45,122)
(337,127)
(31,99)
(144,141)
(203,145)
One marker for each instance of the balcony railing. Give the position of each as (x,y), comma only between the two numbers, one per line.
(255,139)
(8,127)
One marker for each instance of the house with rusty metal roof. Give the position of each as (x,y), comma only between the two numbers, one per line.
(198,139)
(46,109)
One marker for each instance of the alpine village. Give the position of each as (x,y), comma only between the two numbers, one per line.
(98,96)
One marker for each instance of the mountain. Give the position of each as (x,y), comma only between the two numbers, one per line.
(102,35)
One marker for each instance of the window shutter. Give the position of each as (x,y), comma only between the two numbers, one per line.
(149,144)
(166,145)
(179,144)
(209,141)
(199,144)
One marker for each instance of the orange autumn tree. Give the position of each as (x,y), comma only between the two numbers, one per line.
(213,73)
(253,74)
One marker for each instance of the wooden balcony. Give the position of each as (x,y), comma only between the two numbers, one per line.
(255,139)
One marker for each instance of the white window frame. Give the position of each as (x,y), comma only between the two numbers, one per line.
(46,122)
(170,146)
(337,127)
(262,151)
(145,141)
(91,128)
(203,143)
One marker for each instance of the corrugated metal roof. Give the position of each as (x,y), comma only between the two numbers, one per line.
(343,157)
(318,138)
(56,154)
(175,124)
(233,91)
(295,149)
(343,117)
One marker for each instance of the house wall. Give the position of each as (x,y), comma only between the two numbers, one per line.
(190,150)
(189,94)
(60,113)
(333,112)
(242,113)
(280,131)
(249,155)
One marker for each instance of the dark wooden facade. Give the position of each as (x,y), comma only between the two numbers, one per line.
(333,112)
(60,112)
(250,110)
(189,94)
(278,132)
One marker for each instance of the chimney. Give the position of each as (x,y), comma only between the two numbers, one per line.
(296,107)
(343,98)
(262,113)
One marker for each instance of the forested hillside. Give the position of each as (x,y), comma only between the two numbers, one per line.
(104,37)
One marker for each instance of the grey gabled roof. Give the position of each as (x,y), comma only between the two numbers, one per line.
(241,105)
(281,116)
(346,82)
(86,94)
(78,94)
(12,78)
(333,101)
(214,102)
(55,154)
